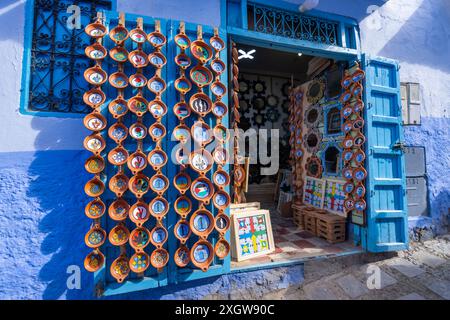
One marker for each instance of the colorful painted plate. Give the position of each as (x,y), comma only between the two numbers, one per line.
(95,237)
(202,189)
(183,61)
(359,157)
(94,164)
(137,162)
(96,51)
(200,103)
(347,111)
(119,235)
(201,161)
(347,173)
(201,51)
(357,90)
(119,34)
(182,256)
(156,85)
(120,268)
(158,236)
(220,156)
(222,248)
(359,174)
(221,133)
(95,30)
(118,184)
(359,140)
(95,76)
(94,261)
(138,80)
(221,200)
(345,97)
(360,191)
(118,210)
(221,179)
(358,123)
(159,183)
(139,262)
(156,39)
(349,204)
(202,223)
(181,133)
(358,106)
(182,182)
(138,35)
(360,205)
(138,131)
(181,110)
(347,155)
(183,85)
(94,187)
(182,231)
(139,213)
(118,80)
(159,207)
(137,105)
(222,223)
(218,66)
(94,121)
(348,142)
(218,89)
(182,206)
(349,187)
(118,156)
(157,131)
(181,156)
(138,59)
(201,133)
(119,54)
(347,126)
(139,239)
(202,254)
(201,76)
(94,97)
(95,209)
(219,109)
(139,185)
(217,43)
(159,258)
(239,175)
(157,59)
(182,41)
(157,159)
(118,132)
(346,82)
(157,108)
(118,107)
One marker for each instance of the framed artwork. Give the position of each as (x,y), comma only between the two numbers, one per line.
(313,192)
(251,234)
(334,197)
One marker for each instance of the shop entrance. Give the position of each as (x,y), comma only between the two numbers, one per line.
(270,81)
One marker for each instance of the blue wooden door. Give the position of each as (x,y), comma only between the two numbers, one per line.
(387,219)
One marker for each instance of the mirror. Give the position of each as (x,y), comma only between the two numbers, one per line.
(332,155)
(313,167)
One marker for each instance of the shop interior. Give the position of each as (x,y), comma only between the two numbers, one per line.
(266,81)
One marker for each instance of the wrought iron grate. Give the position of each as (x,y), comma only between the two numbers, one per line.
(57,55)
(292,25)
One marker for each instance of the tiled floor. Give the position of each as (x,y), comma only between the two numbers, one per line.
(293,244)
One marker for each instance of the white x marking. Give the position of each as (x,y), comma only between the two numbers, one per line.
(246,55)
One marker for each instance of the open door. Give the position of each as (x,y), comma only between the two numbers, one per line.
(387,218)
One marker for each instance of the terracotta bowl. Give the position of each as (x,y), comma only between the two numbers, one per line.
(349,187)
(357,90)
(157,59)
(222,249)
(118,80)
(139,262)
(118,107)
(94,261)
(139,239)
(201,76)
(221,200)
(95,30)
(139,213)
(159,258)
(201,161)
(158,236)
(118,184)
(182,110)
(118,156)
(182,41)
(119,34)
(359,140)
(220,156)
(159,183)
(347,155)
(94,97)
(202,223)
(183,61)
(221,178)
(201,133)
(156,85)
(182,231)
(139,185)
(217,43)
(94,187)
(138,80)
(95,209)
(202,254)
(218,66)
(182,206)
(182,256)
(94,143)
(219,109)
(359,157)
(347,173)
(137,162)
(95,237)
(201,104)
(182,182)
(218,89)
(119,54)
(118,210)
(94,164)
(157,159)
(158,207)
(181,133)
(157,108)
(120,269)
(118,132)
(94,121)
(359,174)
(137,105)
(360,191)
(157,131)
(358,75)
(138,131)
(138,35)
(347,111)
(222,223)
(156,39)
(119,235)
(96,51)
(95,76)
(181,157)
(183,85)
(201,51)
(202,189)
(221,133)
(138,59)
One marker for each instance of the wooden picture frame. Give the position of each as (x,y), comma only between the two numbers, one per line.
(242,235)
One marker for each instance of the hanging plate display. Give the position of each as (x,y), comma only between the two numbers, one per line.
(347,111)
(201,76)
(159,183)
(139,213)
(222,248)
(201,161)
(183,206)
(94,97)
(217,43)
(222,223)
(94,261)
(221,200)
(118,156)
(159,258)
(95,76)
(139,239)
(158,236)
(358,106)
(347,155)
(218,66)
(201,51)
(347,173)
(94,164)
(183,61)
(138,59)
(94,121)
(157,108)
(220,156)
(218,89)
(182,182)
(202,223)
(138,80)
(182,41)
(157,59)
(219,109)
(359,140)
(120,268)
(202,254)
(356,91)
(358,75)
(360,205)
(221,179)
(118,210)
(156,39)
(139,185)
(182,257)
(359,174)
(358,123)
(118,107)
(157,159)
(95,237)
(345,97)
(181,133)
(95,209)
(138,131)
(94,187)
(221,133)
(360,191)
(119,34)
(200,103)
(360,156)
(138,35)
(348,142)
(118,184)
(201,133)
(347,126)
(181,110)
(118,132)
(118,80)
(139,262)
(119,54)
(95,30)
(157,131)
(119,235)
(183,85)
(181,156)
(137,105)
(159,207)
(349,204)
(156,85)
(239,175)
(95,51)
(182,231)
(202,189)
(349,187)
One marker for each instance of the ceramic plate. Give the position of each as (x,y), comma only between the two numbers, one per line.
(118,184)
(183,85)
(95,209)
(138,131)
(94,121)
(94,261)
(201,76)
(159,258)
(159,183)
(201,51)
(181,133)
(202,254)
(200,104)
(182,231)
(159,207)
(94,187)
(139,239)
(182,182)
(118,107)
(95,164)
(118,210)
(94,143)
(156,85)
(120,269)
(181,110)
(119,54)
(139,185)
(119,235)
(157,108)
(137,162)
(139,213)
(118,132)
(182,257)
(202,223)
(139,262)
(202,189)
(157,131)
(221,178)
(137,105)
(158,236)
(138,59)
(183,206)
(157,159)
(201,160)
(95,237)
(138,80)
(118,156)
(222,223)
(157,59)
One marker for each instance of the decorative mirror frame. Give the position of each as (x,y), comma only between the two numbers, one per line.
(332,144)
(316,123)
